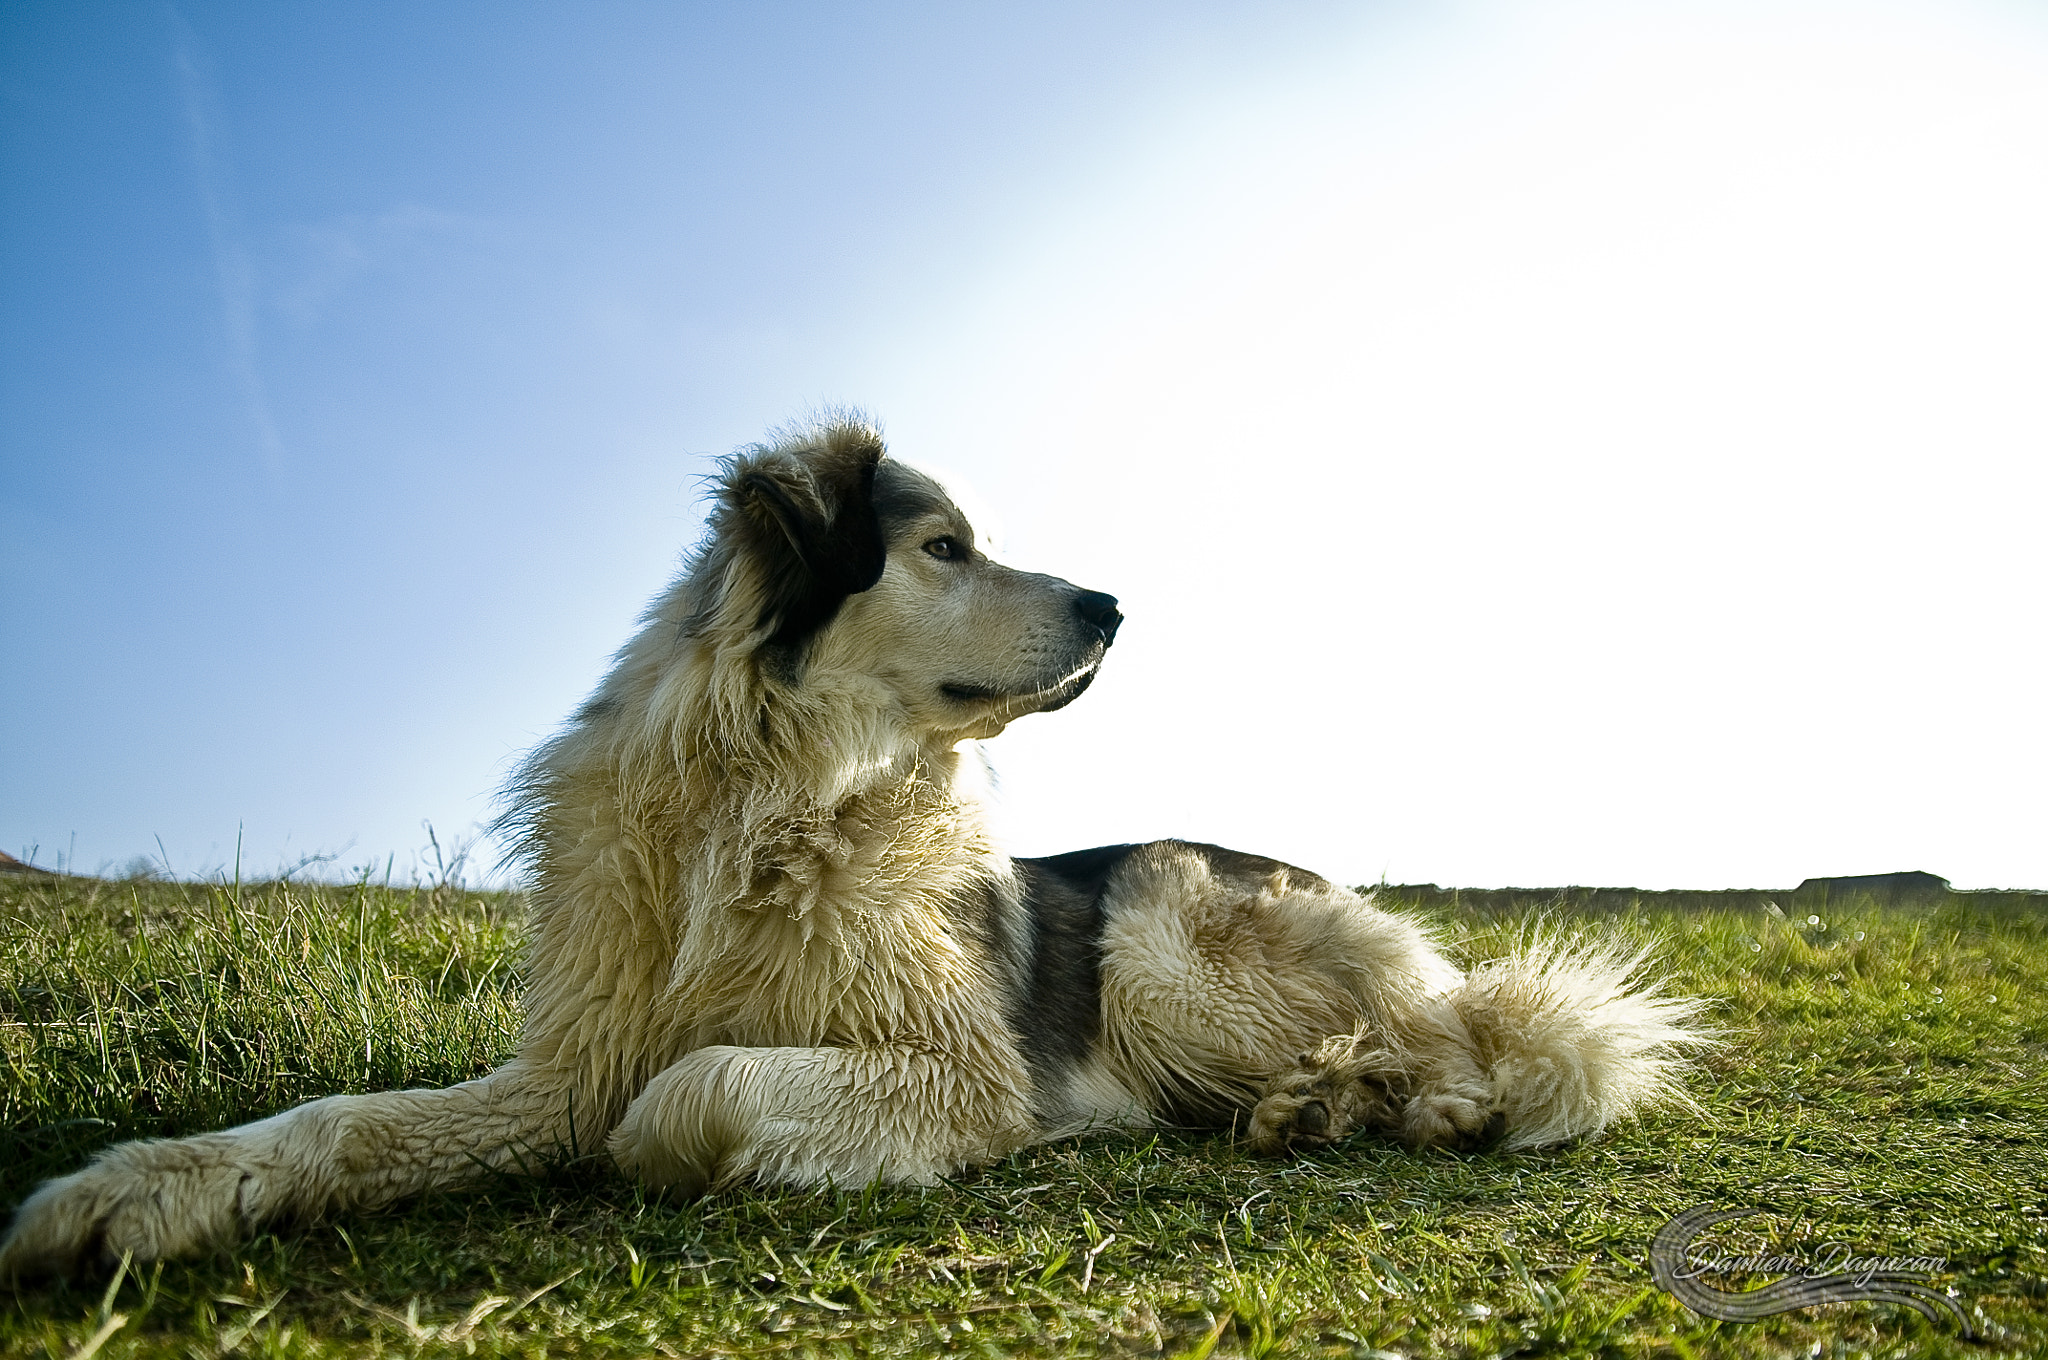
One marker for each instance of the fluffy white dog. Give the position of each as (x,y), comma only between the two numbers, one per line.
(773,938)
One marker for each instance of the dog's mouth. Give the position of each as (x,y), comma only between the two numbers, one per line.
(1041,699)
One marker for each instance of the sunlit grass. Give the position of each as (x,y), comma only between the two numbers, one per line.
(1883,1088)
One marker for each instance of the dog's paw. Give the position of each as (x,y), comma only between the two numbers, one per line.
(638,1149)
(147,1201)
(1325,1096)
(1441,1119)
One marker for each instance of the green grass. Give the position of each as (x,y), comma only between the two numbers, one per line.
(1873,1093)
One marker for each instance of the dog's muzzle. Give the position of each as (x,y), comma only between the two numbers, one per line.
(1097,618)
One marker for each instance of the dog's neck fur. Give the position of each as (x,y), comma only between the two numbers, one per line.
(751,808)
(821,880)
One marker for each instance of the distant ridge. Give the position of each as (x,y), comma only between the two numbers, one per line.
(10,865)
(1912,889)
(1910,883)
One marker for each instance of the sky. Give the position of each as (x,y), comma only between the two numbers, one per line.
(1534,444)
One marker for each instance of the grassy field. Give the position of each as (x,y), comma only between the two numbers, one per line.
(1883,1088)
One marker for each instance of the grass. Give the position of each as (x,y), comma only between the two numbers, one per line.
(1874,1094)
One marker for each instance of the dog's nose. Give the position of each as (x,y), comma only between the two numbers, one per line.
(1099,612)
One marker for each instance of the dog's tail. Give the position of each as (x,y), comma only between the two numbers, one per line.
(1573,1036)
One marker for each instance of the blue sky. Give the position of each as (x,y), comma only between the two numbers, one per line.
(1535,443)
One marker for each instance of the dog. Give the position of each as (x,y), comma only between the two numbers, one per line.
(773,938)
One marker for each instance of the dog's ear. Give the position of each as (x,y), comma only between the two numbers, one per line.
(808,517)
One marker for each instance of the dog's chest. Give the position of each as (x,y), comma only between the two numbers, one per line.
(899,976)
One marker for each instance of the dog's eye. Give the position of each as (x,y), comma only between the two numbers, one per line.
(946,549)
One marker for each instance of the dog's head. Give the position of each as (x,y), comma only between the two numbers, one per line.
(846,571)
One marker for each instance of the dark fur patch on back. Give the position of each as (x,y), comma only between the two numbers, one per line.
(1236,864)
(1059,1015)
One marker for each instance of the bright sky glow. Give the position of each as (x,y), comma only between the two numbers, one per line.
(1533,444)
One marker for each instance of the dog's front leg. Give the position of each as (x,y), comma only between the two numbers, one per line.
(807,1116)
(159,1198)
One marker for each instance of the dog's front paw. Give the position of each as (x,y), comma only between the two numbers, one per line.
(640,1150)
(145,1200)
(1327,1095)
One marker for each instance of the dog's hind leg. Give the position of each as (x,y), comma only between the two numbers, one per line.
(806,1116)
(1553,1041)
(160,1198)
(1221,970)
